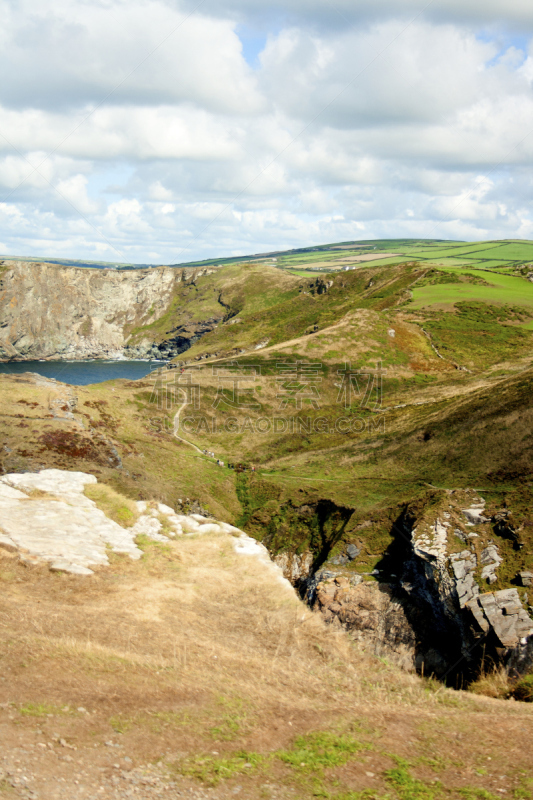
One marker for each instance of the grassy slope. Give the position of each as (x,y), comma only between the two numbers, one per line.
(452,427)
(156,681)
(221,295)
(475,419)
(499,289)
(200,669)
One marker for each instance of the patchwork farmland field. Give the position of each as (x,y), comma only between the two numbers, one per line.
(505,254)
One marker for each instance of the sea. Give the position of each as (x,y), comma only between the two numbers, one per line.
(81,373)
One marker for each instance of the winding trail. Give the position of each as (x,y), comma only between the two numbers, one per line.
(176,428)
(448,360)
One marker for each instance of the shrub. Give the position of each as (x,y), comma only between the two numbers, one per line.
(524,689)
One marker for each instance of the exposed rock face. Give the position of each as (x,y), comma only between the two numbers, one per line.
(53,312)
(473,623)
(432,609)
(504,528)
(47,518)
(463,565)
(373,615)
(294,567)
(502,612)
(526,578)
(491,560)
(182,338)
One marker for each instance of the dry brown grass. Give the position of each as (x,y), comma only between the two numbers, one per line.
(39,494)
(196,648)
(493,683)
(199,615)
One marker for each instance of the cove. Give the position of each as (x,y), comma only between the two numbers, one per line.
(81,373)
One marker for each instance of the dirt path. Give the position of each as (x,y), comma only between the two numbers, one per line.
(176,428)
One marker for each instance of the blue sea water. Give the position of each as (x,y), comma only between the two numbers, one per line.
(81,373)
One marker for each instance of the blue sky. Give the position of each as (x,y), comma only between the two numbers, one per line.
(159,131)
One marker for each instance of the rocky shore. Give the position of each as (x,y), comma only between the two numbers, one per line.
(51,312)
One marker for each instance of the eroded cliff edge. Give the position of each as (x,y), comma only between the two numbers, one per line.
(48,311)
(449,594)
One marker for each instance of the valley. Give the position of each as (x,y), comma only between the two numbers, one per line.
(371,427)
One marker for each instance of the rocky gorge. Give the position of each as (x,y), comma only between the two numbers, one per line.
(429,605)
(434,585)
(51,312)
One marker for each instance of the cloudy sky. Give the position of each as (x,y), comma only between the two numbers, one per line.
(161,131)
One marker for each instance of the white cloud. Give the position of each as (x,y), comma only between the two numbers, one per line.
(131,125)
(141,51)
(74,191)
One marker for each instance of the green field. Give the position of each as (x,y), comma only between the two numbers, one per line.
(495,255)
(503,290)
(499,254)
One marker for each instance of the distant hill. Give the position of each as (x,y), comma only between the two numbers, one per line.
(489,254)
(505,253)
(72,262)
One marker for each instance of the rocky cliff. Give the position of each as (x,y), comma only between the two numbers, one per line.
(51,312)
(444,599)
(458,551)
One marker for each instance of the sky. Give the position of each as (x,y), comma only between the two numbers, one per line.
(165,131)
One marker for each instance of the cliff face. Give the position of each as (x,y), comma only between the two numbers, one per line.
(439,600)
(53,312)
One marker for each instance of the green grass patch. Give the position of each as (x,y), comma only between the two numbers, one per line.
(212,770)
(409,788)
(501,290)
(233,722)
(321,750)
(524,689)
(120,509)
(149,547)
(41,710)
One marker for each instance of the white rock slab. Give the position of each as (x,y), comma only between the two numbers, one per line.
(54,481)
(210,527)
(148,526)
(66,530)
(7,493)
(69,532)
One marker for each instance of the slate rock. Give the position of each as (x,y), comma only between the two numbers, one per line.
(525,578)
(353,551)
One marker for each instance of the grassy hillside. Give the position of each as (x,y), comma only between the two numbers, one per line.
(504,254)
(356,396)
(221,296)
(192,673)
(450,349)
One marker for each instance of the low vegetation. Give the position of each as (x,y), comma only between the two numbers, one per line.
(202,661)
(114,505)
(194,657)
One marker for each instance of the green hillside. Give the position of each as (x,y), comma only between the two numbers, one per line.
(504,254)
(354,422)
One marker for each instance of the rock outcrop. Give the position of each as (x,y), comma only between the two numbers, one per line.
(52,312)
(374,615)
(179,340)
(296,568)
(47,518)
(474,624)
(432,603)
